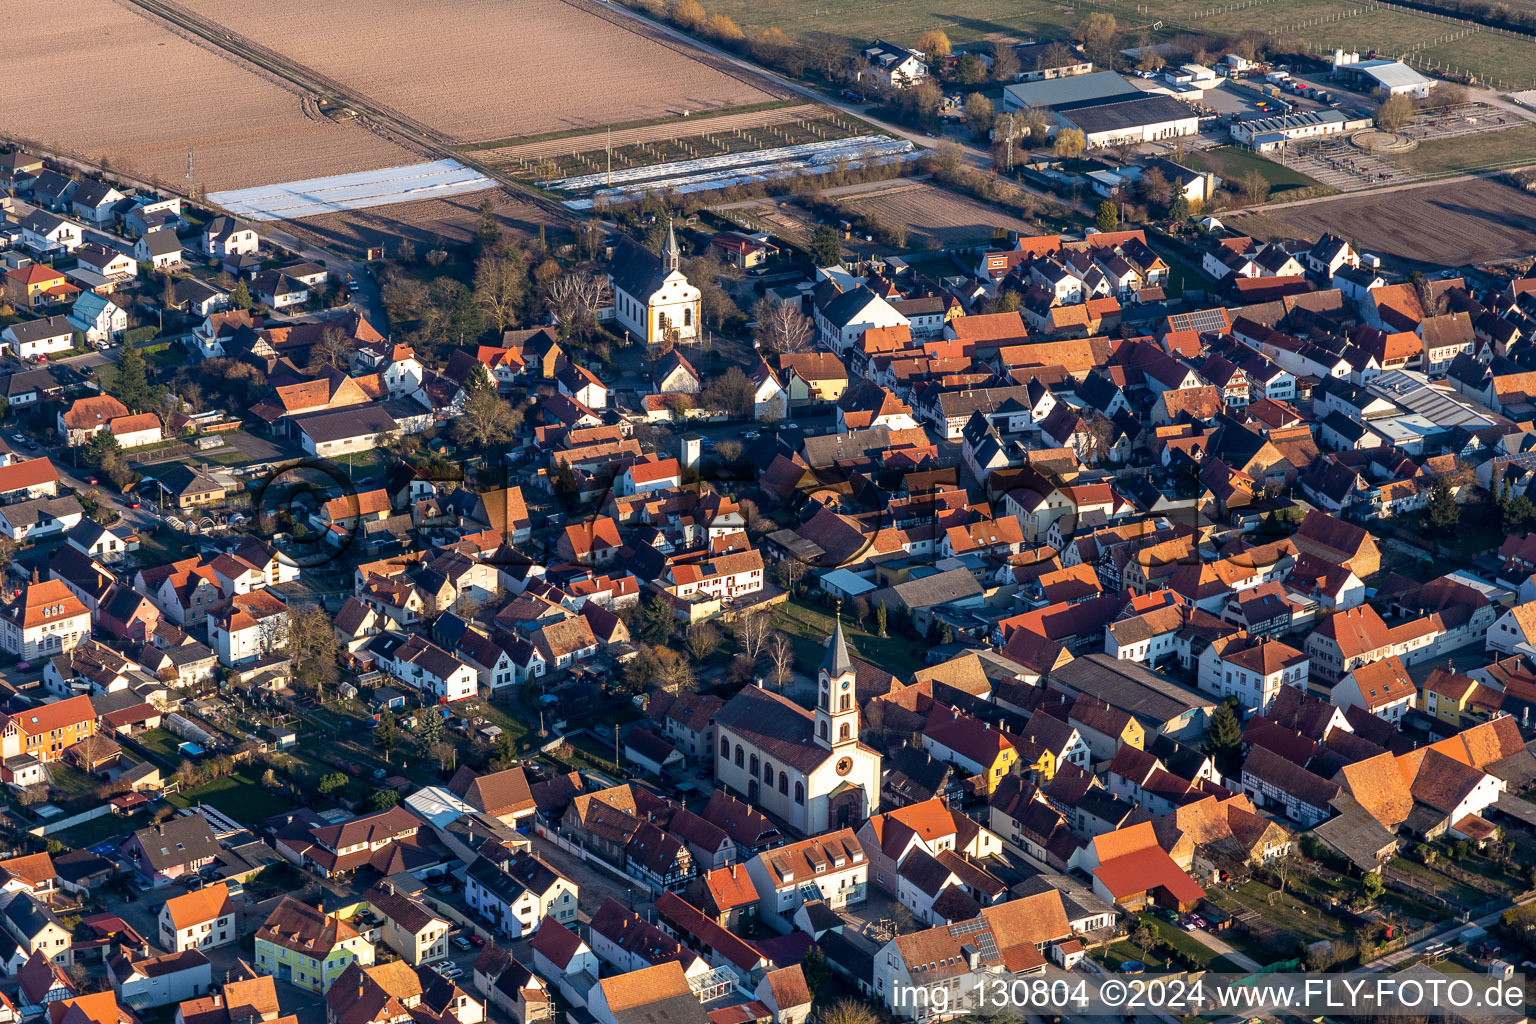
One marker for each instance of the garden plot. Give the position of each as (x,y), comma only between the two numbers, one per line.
(729,169)
(313,196)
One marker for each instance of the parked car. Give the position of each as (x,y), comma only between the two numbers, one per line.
(477,941)
(460,942)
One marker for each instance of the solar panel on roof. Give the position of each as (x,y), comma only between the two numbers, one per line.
(987,944)
(959,928)
(1205,320)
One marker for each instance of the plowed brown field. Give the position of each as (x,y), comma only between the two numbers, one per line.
(105,81)
(1450,224)
(486,69)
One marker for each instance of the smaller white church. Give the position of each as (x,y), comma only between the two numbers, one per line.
(806,768)
(652,299)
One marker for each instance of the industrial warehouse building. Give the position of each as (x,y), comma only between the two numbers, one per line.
(1067,93)
(1106,107)
(1146,118)
(1392,77)
(1263,134)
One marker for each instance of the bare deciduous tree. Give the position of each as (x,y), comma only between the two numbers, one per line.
(790,572)
(702,639)
(783,329)
(446,755)
(575,299)
(781,654)
(499,289)
(332,352)
(752,632)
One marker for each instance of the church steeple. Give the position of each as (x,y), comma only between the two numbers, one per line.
(837,706)
(671,256)
(837,661)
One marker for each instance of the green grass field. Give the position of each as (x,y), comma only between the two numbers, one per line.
(241,796)
(1504,148)
(809,628)
(1494,58)
(108,826)
(1182,941)
(164,743)
(1231,163)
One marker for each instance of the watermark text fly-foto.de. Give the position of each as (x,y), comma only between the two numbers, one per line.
(1469,997)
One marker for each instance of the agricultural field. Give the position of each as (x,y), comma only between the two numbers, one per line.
(1322,24)
(487,69)
(1492,149)
(1232,162)
(245,128)
(934,217)
(674,139)
(1450,224)
(902,21)
(429,222)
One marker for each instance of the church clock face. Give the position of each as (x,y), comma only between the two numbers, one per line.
(844,765)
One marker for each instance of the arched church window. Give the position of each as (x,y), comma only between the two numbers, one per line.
(768,772)
(846,703)
(823,730)
(725,747)
(740,751)
(842,733)
(783,783)
(753,761)
(799,792)
(687,318)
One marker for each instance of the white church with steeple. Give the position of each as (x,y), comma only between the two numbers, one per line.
(805,768)
(652,299)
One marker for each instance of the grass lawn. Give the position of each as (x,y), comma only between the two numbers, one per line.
(1441,883)
(502,715)
(108,826)
(1125,950)
(73,789)
(363,463)
(162,742)
(166,356)
(240,796)
(70,781)
(1504,148)
(1231,163)
(809,628)
(155,549)
(1307,923)
(1223,965)
(1184,942)
(596,750)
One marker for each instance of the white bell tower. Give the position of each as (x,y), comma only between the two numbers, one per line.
(837,705)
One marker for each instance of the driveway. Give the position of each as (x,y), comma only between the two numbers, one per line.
(1220,947)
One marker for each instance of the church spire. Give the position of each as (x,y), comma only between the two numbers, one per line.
(671,257)
(837,661)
